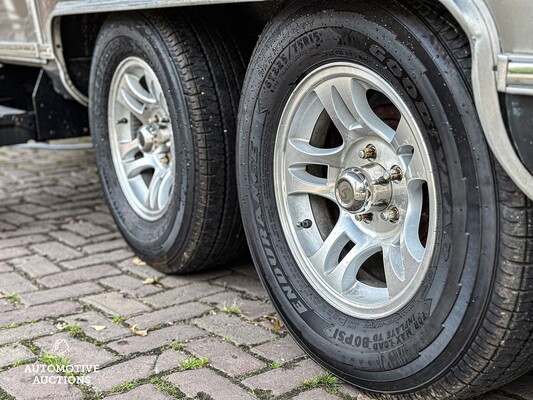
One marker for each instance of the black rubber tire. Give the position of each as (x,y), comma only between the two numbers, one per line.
(202,69)
(469,327)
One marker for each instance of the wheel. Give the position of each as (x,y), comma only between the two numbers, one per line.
(395,249)
(162,105)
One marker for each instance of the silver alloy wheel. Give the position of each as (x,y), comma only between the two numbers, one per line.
(141,138)
(356,206)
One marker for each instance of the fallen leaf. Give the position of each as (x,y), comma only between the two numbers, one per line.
(98,327)
(138,261)
(149,281)
(61,325)
(139,332)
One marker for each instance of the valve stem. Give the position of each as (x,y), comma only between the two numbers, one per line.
(306,223)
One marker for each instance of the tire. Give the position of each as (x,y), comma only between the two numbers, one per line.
(466,326)
(189,219)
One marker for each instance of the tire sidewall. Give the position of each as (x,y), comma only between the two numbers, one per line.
(454,290)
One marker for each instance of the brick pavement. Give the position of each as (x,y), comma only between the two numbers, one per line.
(70,286)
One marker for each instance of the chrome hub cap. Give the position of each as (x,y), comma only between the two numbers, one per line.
(355,190)
(362,190)
(141,138)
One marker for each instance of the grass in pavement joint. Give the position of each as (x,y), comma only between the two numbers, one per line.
(193,363)
(75,329)
(232,310)
(56,361)
(326,380)
(117,319)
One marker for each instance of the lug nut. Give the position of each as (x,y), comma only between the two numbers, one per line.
(393,174)
(306,223)
(367,218)
(153,120)
(392,215)
(369,152)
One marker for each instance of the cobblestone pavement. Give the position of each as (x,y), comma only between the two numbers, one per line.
(72,289)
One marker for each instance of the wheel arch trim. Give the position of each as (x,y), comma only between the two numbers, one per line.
(475,18)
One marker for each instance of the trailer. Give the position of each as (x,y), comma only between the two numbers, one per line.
(375,157)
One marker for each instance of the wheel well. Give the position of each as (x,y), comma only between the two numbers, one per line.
(79,34)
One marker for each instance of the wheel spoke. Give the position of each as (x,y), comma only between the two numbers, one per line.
(129,149)
(299,181)
(327,256)
(346,103)
(344,275)
(135,167)
(135,88)
(155,189)
(409,235)
(300,151)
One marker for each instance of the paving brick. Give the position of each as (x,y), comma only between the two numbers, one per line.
(110,377)
(13,252)
(225,357)
(142,392)
(11,282)
(64,215)
(61,293)
(247,268)
(155,339)
(99,258)
(182,280)
(69,238)
(79,275)
(194,291)
(250,309)
(6,305)
(78,352)
(104,246)
(283,380)
(91,318)
(99,218)
(85,229)
(143,271)
(15,218)
(521,387)
(168,315)
(13,353)
(315,394)
(233,327)
(40,227)
(29,209)
(4,267)
(116,304)
(351,391)
(25,332)
(22,241)
(39,312)
(281,350)
(169,359)
(35,266)
(19,383)
(243,283)
(56,251)
(131,285)
(192,383)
